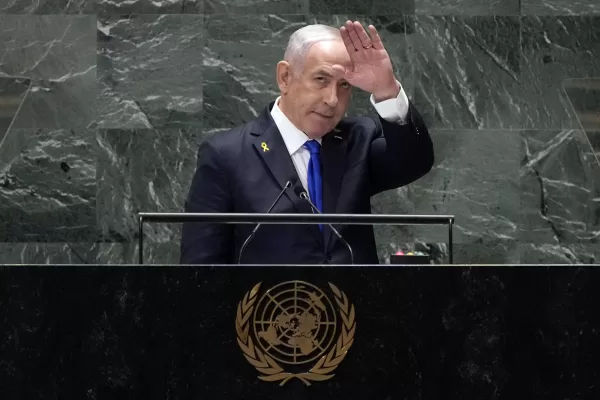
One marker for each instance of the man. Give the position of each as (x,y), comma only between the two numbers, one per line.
(303,137)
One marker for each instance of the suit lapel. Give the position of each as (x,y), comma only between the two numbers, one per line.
(269,145)
(271,149)
(333,158)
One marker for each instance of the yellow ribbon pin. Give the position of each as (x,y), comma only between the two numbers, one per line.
(264,146)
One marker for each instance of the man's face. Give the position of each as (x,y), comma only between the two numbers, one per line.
(317,98)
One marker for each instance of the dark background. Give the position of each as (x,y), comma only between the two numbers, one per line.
(94,332)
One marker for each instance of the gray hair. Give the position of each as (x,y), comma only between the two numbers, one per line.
(302,40)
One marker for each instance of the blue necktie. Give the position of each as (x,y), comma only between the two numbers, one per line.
(315,179)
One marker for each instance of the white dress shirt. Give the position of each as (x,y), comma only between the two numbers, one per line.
(392,110)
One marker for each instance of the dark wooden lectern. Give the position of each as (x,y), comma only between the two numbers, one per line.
(299,332)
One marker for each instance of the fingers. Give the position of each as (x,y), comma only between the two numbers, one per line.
(355,35)
(347,40)
(375,39)
(365,41)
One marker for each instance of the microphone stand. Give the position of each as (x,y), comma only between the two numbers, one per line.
(288,184)
(304,196)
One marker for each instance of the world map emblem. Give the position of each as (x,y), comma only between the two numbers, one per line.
(295,330)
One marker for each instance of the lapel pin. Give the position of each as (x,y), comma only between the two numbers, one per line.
(264,147)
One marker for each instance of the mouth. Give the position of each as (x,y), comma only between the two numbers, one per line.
(324,116)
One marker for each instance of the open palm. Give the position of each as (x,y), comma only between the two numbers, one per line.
(372,69)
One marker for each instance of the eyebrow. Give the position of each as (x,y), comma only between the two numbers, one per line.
(325,73)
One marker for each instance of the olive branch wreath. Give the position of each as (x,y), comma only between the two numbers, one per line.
(266,365)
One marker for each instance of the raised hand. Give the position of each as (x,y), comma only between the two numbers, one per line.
(371,69)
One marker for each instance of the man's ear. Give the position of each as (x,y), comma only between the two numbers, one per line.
(284,75)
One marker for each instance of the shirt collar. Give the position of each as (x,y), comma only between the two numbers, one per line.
(293,137)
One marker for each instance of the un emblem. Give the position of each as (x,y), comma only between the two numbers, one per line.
(296,325)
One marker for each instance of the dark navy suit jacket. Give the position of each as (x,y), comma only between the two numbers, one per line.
(360,158)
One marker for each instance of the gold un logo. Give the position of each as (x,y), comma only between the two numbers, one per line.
(295,325)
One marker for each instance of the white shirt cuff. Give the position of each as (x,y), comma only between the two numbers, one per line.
(393,110)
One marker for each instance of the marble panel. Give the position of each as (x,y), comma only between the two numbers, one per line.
(35,7)
(380,7)
(555,49)
(467,7)
(466,71)
(245,7)
(362,7)
(57,53)
(48,253)
(328,7)
(584,95)
(501,71)
(560,189)
(475,178)
(105,7)
(535,253)
(594,138)
(240,57)
(143,170)
(149,71)
(12,93)
(111,7)
(560,7)
(48,186)
(156,251)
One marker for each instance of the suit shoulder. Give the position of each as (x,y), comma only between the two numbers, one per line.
(358,125)
(228,137)
(228,142)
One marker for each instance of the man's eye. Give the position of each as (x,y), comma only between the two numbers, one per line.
(346,85)
(320,79)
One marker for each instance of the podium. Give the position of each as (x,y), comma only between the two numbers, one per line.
(298,218)
(299,332)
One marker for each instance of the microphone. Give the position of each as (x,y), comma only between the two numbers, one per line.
(288,184)
(302,194)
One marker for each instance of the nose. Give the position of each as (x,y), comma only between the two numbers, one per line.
(331,96)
